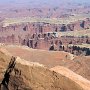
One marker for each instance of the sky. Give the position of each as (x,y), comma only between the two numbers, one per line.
(41,2)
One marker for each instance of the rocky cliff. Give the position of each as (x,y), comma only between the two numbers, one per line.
(27,75)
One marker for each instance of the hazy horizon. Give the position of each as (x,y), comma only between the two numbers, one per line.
(42,1)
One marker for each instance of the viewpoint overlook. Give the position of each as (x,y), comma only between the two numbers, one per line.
(44,45)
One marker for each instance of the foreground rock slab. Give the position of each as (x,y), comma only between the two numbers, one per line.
(34,76)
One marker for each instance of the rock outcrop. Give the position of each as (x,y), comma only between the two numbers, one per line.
(33,76)
(74,77)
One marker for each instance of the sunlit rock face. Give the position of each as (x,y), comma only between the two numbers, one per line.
(34,76)
(15,34)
